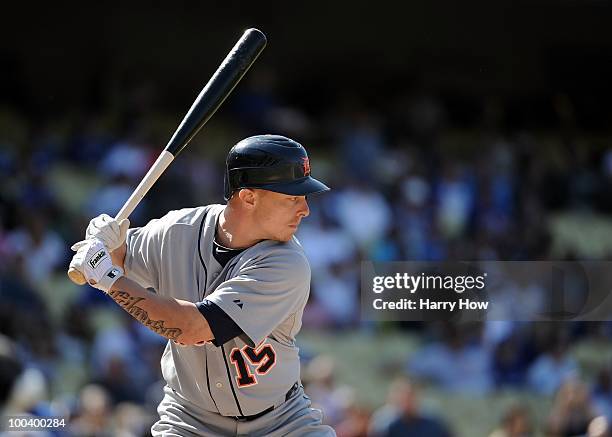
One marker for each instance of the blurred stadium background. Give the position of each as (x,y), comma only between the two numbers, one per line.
(447,130)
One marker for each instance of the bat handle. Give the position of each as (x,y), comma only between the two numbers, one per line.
(156,170)
(76,276)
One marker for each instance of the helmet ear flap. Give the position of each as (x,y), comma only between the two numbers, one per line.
(227,193)
(232,180)
(242,179)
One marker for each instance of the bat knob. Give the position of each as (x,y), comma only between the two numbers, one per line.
(76,276)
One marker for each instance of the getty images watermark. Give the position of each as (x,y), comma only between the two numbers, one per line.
(489,290)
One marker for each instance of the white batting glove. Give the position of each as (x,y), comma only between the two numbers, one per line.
(93,260)
(108,230)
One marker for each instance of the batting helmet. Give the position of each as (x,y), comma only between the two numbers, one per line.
(270,162)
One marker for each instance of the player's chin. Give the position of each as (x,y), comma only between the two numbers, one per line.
(287,235)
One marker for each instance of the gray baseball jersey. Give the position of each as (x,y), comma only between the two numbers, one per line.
(263,290)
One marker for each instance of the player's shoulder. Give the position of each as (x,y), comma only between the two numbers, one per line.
(181,221)
(291,248)
(188,216)
(288,255)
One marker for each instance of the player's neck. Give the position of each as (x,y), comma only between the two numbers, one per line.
(233,231)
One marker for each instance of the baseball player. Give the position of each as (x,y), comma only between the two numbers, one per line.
(227,285)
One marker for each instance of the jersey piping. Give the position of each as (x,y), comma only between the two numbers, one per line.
(231,383)
(229,374)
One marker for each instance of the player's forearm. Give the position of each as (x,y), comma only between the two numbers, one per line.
(174,319)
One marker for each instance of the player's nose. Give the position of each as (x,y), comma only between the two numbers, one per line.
(304,209)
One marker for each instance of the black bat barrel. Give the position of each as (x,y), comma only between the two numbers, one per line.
(220,85)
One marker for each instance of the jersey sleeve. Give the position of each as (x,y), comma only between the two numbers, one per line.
(222,326)
(265,293)
(143,257)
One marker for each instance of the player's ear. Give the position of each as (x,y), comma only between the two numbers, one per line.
(248,197)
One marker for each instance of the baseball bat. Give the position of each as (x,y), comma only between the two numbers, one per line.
(220,85)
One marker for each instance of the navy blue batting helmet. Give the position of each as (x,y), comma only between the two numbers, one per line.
(270,162)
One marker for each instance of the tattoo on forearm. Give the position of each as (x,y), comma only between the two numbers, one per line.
(128,303)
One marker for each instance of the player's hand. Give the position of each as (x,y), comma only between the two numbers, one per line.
(108,230)
(93,260)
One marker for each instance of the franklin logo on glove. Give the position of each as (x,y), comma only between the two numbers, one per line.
(93,262)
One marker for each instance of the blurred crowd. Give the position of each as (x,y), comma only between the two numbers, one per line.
(408,184)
